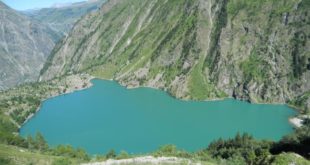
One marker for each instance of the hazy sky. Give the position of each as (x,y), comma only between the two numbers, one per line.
(32,4)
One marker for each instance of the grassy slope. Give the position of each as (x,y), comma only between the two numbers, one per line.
(161,39)
(290,158)
(12,155)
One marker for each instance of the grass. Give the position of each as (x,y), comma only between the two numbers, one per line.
(289,158)
(300,102)
(106,72)
(12,155)
(280,7)
(255,68)
(199,87)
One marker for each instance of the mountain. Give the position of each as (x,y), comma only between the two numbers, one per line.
(195,49)
(27,38)
(24,47)
(62,17)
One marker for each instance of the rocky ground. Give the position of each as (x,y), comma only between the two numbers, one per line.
(150,160)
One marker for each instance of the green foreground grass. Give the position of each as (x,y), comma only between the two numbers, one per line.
(13,155)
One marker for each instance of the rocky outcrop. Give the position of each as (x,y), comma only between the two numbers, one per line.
(265,52)
(195,49)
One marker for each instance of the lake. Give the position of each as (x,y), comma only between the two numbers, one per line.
(109,116)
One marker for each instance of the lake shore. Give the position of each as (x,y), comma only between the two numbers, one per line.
(72,83)
(148,106)
(80,82)
(189,99)
(295,121)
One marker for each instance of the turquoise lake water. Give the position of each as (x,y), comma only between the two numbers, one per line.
(109,116)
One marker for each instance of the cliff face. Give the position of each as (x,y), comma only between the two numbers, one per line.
(264,51)
(195,49)
(24,46)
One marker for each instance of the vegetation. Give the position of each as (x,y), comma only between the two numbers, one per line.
(254,68)
(69,151)
(300,103)
(300,60)
(244,149)
(242,146)
(200,88)
(236,6)
(17,104)
(286,158)
(220,23)
(40,145)
(298,142)
(13,155)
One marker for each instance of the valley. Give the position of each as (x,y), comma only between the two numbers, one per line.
(166,58)
(28,37)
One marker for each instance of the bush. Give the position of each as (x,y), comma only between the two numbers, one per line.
(172,150)
(5,161)
(245,146)
(168,150)
(298,142)
(111,154)
(41,143)
(69,151)
(123,155)
(62,161)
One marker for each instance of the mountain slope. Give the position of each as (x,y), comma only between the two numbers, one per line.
(24,46)
(195,49)
(27,41)
(62,18)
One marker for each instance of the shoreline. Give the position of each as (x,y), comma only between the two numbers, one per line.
(294,120)
(290,119)
(79,87)
(205,100)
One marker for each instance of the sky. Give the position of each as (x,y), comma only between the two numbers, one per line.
(34,4)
